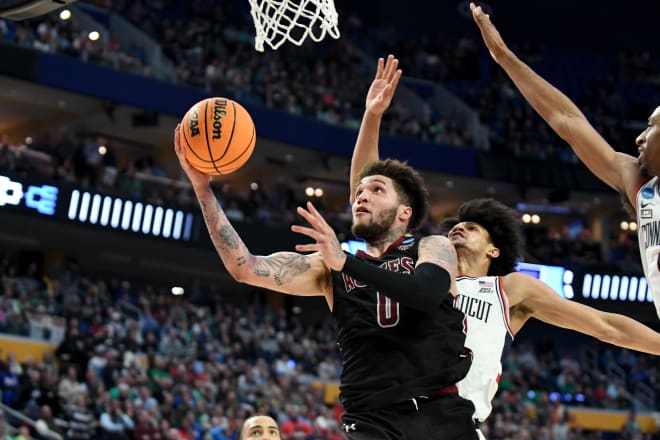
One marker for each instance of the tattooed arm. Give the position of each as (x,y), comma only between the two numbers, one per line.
(438,250)
(286,272)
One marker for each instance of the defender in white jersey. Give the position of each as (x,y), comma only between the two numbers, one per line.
(496,300)
(486,307)
(647,204)
(623,172)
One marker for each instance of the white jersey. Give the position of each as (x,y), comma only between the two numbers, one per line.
(486,309)
(648,233)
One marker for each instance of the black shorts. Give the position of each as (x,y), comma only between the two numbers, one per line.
(438,418)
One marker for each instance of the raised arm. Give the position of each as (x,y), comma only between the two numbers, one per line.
(618,170)
(378,100)
(535,299)
(286,272)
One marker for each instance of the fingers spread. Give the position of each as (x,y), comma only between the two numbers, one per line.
(310,232)
(379,68)
(397,77)
(307,247)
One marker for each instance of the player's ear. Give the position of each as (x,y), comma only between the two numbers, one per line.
(493,252)
(405,212)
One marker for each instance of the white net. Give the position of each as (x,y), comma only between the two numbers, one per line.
(278,21)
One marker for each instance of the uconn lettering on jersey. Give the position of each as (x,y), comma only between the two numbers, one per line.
(405,263)
(473,307)
(651,233)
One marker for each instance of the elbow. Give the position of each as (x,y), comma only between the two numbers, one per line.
(237,272)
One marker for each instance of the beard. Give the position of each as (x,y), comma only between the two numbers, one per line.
(377,228)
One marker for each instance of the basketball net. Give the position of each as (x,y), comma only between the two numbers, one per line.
(278,21)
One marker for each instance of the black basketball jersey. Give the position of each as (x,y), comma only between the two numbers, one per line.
(391,352)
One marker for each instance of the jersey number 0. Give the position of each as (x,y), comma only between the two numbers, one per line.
(387,311)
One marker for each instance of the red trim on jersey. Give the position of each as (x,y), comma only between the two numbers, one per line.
(499,376)
(505,303)
(639,186)
(362,253)
(446,391)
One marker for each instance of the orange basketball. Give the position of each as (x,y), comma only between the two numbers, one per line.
(218,135)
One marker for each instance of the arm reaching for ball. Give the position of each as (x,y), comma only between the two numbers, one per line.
(286,272)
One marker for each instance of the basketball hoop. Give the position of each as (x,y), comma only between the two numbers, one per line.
(278,21)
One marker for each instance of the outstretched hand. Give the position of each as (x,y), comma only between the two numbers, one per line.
(326,244)
(383,86)
(489,33)
(197,178)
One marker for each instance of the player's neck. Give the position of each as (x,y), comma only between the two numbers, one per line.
(379,246)
(471,265)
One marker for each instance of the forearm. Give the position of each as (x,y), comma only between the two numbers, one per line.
(233,252)
(628,333)
(366,146)
(553,106)
(286,272)
(422,290)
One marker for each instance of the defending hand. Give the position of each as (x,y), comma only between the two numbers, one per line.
(383,86)
(489,33)
(326,244)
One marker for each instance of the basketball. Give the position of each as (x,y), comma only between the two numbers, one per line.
(218,135)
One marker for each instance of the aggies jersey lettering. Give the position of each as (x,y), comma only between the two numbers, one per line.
(648,233)
(390,352)
(486,309)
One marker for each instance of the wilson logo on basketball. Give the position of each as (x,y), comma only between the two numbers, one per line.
(194,121)
(219,112)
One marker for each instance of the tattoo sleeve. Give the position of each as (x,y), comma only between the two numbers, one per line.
(282,267)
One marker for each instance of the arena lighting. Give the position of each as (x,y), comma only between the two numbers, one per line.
(552,209)
(352,246)
(23,9)
(558,278)
(42,199)
(615,288)
(117,213)
(65,14)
